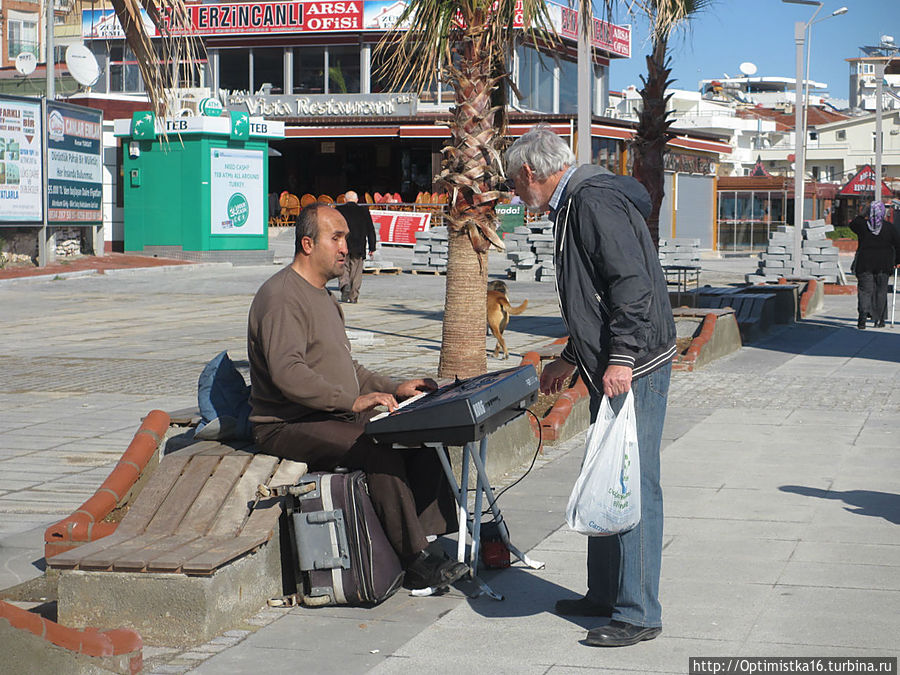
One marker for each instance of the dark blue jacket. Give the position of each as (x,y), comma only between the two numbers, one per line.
(612,291)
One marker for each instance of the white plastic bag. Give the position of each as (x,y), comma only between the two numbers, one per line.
(606,498)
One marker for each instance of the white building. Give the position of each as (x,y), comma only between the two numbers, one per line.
(863,83)
(695,113)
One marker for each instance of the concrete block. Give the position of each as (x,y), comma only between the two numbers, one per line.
(24,652)
(172,609)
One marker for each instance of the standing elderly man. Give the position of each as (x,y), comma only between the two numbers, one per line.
(310,400)
(362,234)
(615,303)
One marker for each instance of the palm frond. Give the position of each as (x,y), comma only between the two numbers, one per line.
(172,19)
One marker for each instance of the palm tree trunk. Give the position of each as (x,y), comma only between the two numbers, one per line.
(471,175)
(649,145)
(463,351)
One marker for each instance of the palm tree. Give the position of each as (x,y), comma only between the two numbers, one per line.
(652,134)
(172,20)
(465,43)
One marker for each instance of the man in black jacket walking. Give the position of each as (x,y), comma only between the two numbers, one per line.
(615,303)
(362,232)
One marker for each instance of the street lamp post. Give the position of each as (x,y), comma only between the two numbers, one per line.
(887,49)
(800,35)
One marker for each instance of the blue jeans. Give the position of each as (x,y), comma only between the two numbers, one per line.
(623,569)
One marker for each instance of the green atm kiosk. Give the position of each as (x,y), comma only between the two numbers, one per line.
(197,191)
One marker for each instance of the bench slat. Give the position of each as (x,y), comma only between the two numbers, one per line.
(264,518)
(144,549)
(71,559)
(234,511)
(218,448)
(104,557)
(187,487)
(211,498)
(224,550)
(156,490)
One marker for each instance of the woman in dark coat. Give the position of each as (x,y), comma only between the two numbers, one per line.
(878,252)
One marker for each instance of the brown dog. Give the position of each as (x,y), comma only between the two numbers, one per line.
(498,313)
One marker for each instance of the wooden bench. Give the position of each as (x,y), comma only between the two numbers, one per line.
(196,519)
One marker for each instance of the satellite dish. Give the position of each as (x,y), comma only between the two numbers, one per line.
(748,68)
(82,64)
(26,63)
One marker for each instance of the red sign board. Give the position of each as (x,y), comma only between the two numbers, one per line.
(864,183)
(238,18)
(400,227)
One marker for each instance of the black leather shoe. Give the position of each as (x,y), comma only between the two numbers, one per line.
(581,607)
(620,634)
(861,324)
(879,323)
(428,570)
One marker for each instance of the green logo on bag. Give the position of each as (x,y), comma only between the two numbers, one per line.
(238,210)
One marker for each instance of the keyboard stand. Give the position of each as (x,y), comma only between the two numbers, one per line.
(461,493)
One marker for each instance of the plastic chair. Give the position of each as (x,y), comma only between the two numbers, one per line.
(341,198)
(290,209)
(325,199)
(306,200)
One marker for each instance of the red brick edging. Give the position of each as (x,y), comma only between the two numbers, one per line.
(89,642)
(807,296)
(86,523)
(840,289)
(689,358)
(553,421)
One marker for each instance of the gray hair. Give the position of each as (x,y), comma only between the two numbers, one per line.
(541,149)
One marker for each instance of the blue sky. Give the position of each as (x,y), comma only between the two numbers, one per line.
(762,32)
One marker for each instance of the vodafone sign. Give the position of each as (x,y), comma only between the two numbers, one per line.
(274,17)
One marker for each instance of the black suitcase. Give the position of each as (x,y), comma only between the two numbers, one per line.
(341,554)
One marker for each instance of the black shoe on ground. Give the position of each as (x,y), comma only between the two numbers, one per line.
(581,607)
(620,634)
(428,570)
(861,324)
(879,323)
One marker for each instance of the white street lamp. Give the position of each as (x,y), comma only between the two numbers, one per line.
(800,32)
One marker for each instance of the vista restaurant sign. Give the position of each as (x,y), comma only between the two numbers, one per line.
(323,105)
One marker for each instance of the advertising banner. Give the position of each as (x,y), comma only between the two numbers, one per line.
(21,176)
(511,216)
(262,18)
(237,191)
(74,164)
(400,227)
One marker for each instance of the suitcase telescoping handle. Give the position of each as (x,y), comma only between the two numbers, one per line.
(266,491)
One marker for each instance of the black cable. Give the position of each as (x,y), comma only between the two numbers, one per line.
(533,460)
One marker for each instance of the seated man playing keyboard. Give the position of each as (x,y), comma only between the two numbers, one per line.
(311,400)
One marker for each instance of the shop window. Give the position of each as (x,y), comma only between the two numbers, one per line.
(343,70)
(309,70)
(606,153)
(568,87)
(268,68)
(234,69)
(22,34)
(535,80)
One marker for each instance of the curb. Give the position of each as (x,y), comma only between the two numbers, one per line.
(552,423)
(839,289)
(120,271)
(120,642)
(87,523)
(807,296)
(688,360)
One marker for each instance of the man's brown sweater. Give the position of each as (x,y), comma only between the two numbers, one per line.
(299,353)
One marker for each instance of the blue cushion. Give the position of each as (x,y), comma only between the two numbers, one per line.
(224,400)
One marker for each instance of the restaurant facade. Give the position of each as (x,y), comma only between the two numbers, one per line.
(314,67)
